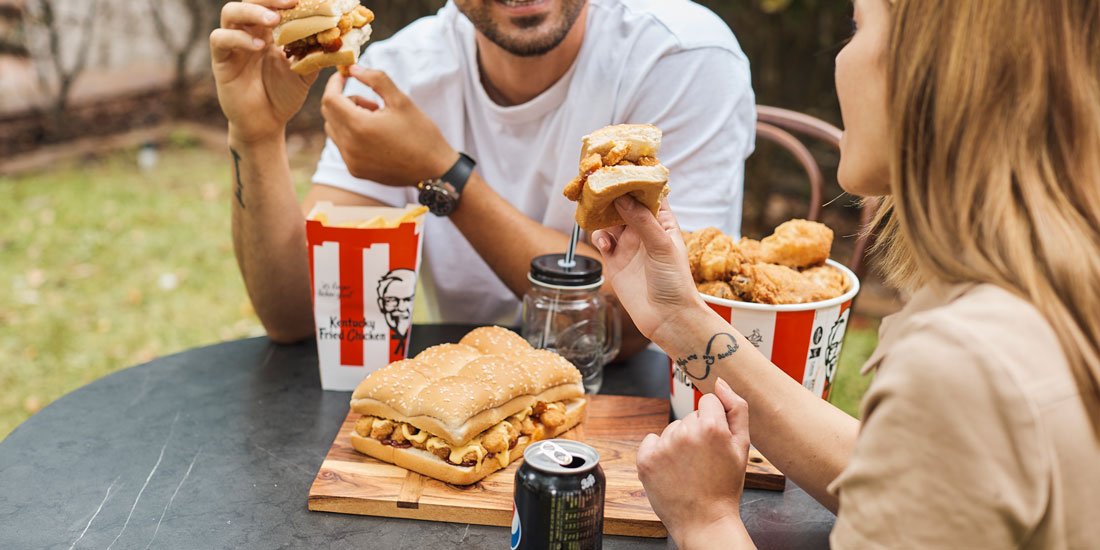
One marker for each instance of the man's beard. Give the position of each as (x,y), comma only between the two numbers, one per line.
(525,46)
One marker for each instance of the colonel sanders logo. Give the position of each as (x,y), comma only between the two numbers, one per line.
(832,352)
(396,290)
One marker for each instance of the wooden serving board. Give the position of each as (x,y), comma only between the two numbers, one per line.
(352,483)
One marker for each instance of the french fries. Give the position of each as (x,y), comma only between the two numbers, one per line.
(408,215)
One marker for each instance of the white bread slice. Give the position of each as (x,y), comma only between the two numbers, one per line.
(348,54)
(310,8)
(643,140)
(648,184)
(293,31)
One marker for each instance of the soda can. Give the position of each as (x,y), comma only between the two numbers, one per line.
(558,498)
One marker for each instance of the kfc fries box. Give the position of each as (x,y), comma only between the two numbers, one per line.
(802,339)
(363,264)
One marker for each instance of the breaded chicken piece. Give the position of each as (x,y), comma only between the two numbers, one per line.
(574,188)
(718,289)
(696,246)
(750,250)
(798,244)
(720,259)
(712,255)
(777,284)
(834,281)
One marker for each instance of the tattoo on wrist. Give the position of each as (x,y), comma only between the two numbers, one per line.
(720,346)
(239,192)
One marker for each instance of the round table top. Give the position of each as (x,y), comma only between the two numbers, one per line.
(217,447)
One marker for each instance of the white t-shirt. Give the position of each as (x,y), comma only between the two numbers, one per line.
(672,63)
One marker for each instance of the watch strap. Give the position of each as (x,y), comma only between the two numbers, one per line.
(460,172)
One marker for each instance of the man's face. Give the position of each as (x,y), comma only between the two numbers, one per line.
(525,28)
(396,304)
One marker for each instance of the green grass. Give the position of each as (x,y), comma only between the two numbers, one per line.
(849,385)
(103,266)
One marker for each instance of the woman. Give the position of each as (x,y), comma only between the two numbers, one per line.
(980,123)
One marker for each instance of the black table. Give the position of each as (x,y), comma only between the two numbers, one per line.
(217,447)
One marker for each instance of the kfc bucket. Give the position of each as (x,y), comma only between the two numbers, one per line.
(802,339)
(363,265)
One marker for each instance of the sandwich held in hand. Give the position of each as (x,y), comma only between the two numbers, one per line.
(323,33)
(787,267)
(615,161)
(459,412)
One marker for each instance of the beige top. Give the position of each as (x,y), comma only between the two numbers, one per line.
(974,433)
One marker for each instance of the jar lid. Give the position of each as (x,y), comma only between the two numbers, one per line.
(548,269)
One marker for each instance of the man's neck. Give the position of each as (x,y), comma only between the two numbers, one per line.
(511,80)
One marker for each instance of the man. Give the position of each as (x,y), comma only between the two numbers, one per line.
(395,300)
(514,84)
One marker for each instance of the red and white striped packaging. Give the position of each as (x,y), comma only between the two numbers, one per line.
(802,339)
(363,282)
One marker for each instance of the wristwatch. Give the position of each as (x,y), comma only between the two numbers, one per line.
(441,195)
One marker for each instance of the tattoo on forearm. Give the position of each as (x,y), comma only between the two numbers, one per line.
(720,346)
(239,193)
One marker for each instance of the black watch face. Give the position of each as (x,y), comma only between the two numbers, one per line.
(439,200)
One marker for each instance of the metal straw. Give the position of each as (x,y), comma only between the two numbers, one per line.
(569,262)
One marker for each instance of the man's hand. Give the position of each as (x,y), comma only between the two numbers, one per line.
(695,471)
(393,144)
(256,88)
(646,263)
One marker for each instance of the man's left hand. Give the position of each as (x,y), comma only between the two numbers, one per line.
(392,144)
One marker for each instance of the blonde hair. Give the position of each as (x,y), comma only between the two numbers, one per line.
(995,161)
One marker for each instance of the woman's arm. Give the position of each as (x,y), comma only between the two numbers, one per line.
(646,262)
(808,439)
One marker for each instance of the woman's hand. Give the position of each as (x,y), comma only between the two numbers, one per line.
(256,88)
(694,472)
(646,264)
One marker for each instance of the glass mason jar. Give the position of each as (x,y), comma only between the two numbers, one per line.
(564,312)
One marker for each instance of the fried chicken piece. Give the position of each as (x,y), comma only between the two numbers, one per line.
(720,260)
(527,426)
(328,37)
(398,436)
(718,289)
(362,16)
(363,425)
(834,281)
(750,250)
(383,429)
(573,189)
(647,161)
(696,245)
(498,441)
(617,154)
(589,164)
(552,419)
(777,284)
(797,243)
(712,255)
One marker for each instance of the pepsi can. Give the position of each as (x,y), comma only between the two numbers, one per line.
(558,498)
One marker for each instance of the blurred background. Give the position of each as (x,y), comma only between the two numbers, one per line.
(114,181)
